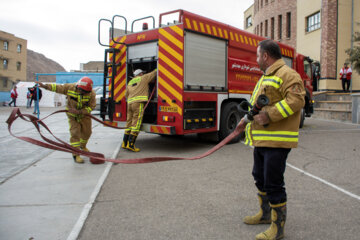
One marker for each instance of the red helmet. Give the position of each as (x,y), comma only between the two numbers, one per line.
(85,83)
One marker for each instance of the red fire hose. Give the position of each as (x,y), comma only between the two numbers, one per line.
(98,158)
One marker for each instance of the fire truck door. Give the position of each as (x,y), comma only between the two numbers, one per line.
(205,62)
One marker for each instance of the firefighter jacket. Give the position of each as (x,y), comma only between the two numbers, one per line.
(285,90)
(75,99)
(137,89)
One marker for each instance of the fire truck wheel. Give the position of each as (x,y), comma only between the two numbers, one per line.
(230,117)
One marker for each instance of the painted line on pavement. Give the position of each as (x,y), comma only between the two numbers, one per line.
(325,182)
(74,234)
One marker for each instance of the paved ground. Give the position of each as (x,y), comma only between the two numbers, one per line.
(207,198)
(44,195)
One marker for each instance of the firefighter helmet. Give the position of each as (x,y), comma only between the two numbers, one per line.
(137,72)
(85,83)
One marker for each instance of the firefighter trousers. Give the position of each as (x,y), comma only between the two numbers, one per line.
(268,172)
(80,131)
(135,113)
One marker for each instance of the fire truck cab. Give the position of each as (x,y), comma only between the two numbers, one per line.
(204,70)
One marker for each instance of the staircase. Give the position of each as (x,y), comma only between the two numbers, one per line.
(333,106)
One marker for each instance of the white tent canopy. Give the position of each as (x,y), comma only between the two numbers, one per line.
(49,99)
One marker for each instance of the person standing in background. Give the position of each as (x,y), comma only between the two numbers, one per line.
(345,77)
(13,95)
(34,96)
(28,97)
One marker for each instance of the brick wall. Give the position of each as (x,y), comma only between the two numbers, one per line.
(274,9)
(328,39)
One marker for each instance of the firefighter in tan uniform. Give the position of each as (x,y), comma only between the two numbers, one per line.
(80,102)
(137,94)
(274,131)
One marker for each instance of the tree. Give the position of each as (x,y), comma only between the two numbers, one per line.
(354,53)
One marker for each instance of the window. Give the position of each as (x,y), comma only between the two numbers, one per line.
(313,22)
(19,48)
(266,28)
(266,2)
(248,22)
(6,46)
(307,68)
(261,3)
(18,66)
(288,25)
(280,27)
(261,29)
(272,27)
(288,61)
(5,64)
(5,82)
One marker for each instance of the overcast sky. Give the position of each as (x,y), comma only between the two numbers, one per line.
(66,31)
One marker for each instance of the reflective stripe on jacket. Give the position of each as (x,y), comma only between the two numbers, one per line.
(285,90)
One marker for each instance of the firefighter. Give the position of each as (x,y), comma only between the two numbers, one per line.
(273,133)
(137,92)
(80,102)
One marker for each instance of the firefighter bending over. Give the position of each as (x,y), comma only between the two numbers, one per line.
(80,102)
(137,92)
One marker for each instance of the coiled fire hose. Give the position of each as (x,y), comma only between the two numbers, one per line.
(98,158)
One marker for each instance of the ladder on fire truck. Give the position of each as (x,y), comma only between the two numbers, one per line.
(107,104)
(107,101)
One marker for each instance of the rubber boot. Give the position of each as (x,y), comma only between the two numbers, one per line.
(131,143)
(278,219)
(84,148)
(264,214)
(78,159)
(125,141)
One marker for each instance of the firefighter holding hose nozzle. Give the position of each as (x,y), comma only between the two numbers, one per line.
(273,132)
(80,102)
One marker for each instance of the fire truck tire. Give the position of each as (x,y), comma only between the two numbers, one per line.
(230,117)
(302,118)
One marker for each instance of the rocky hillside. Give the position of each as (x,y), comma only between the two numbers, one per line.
(38,63)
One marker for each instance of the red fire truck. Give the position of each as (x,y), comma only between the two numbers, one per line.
(205,69)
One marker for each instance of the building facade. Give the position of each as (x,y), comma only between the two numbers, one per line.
(92,66)
(13,60)
(276,19)
(320,29)
(248,19)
